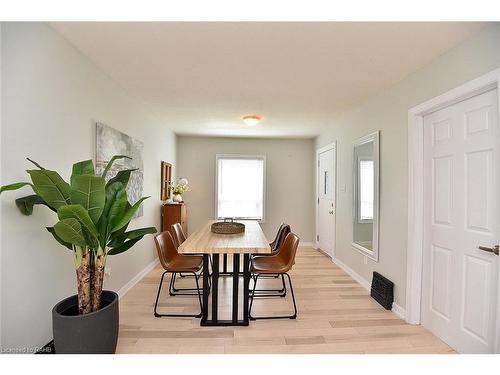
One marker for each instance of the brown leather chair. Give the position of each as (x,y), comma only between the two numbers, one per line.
(179,237)
(283,231)
(178,234)
(280,263)
(173,262)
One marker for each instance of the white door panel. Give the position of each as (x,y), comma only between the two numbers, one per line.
(460,282)
(326,201)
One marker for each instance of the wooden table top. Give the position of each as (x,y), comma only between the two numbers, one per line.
(252,241)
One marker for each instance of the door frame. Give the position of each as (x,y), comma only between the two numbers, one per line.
(415,249)
(330,146)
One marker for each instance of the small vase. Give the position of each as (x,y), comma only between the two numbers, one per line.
(177,198)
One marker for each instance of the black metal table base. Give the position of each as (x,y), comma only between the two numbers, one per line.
(214,320)
(224,323)
(225,271)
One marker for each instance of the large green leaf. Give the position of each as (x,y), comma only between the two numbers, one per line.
(129,214)
(111,192)
(102,226)
(77,212)
(70,231)
(89,192)
(110,163)
(50,187)
(59,239)
(35,163)
(83,167)
(25,204)
(116,197)
(15,186)
(122,176)
(130,235)
(120,231)
(124,247)
(118,209)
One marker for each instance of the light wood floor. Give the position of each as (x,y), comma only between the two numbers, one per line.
(336,315)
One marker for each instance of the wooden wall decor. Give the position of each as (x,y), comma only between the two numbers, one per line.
(166,180)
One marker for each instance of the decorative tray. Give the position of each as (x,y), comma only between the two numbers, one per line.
(228,226)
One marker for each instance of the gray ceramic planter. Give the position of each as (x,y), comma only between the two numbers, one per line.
(93,333)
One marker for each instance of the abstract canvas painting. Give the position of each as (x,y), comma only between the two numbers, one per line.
(110,142)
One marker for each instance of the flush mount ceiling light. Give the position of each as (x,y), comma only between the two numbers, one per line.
(251,120)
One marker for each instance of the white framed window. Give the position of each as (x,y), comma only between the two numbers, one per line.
(240,190)
(365,190)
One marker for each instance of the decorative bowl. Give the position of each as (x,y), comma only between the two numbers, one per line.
(228,226)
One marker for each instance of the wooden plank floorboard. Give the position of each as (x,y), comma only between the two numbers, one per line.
(336,315)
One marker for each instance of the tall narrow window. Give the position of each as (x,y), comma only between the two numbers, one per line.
(240,187)
(366,184)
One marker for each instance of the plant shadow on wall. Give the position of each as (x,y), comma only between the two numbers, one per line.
(93,216)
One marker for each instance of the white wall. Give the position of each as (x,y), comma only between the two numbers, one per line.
(52,97)
(289,179)
(388,112)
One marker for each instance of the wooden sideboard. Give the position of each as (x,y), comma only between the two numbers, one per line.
(172,213)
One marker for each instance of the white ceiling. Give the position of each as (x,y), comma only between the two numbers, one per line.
(200,78)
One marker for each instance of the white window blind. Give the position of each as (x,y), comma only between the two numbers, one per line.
(240,187)
(366,187)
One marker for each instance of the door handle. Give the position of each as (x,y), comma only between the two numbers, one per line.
(494,250)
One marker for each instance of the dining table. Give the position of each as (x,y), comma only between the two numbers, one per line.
(209,244)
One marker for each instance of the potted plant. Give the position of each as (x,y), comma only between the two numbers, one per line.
(180,188)
(93,216)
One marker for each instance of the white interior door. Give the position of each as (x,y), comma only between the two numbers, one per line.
(326,201)
(460,282)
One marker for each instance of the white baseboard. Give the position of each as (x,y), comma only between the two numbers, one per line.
(322,252)
(124,289)
(398,310)
(364,283)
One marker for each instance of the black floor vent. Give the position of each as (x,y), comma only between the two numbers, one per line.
(382,290)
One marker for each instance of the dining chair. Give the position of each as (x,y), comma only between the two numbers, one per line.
(173,262)
(178,234)
(280,263)
(283,231)
(179,237)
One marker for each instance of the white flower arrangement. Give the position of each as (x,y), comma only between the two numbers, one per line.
(181,186)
